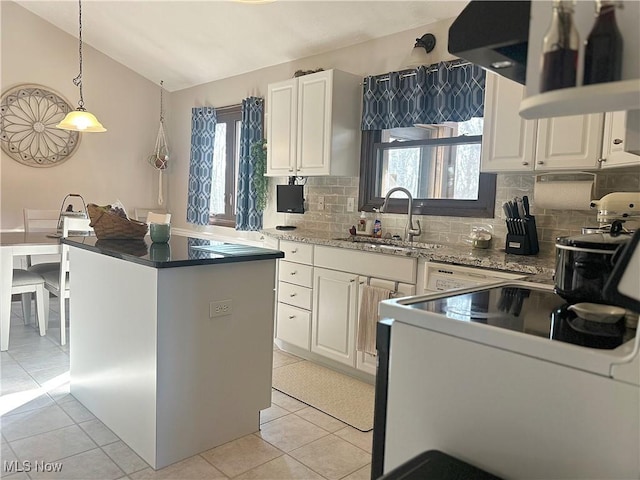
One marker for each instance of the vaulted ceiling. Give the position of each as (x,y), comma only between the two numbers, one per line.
(187,43)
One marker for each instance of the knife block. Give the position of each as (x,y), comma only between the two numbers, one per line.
(526,242)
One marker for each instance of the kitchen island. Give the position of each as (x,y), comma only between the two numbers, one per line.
(171,344)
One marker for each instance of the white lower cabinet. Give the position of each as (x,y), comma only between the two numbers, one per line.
(333,326)
(319,295)
(294,295)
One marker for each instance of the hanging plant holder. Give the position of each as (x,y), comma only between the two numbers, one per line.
(160,157)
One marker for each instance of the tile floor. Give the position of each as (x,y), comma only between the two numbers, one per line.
(42,422)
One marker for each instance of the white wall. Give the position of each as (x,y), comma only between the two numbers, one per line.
(112,165)
(106,166)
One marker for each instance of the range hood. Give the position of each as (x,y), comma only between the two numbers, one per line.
(493,35)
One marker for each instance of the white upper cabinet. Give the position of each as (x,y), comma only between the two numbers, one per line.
(508,141)
(282,101)
(621,142)
(313,125)
(512,144)
(567,143)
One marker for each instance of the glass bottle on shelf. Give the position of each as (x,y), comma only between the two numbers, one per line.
(603,51)
(560,49)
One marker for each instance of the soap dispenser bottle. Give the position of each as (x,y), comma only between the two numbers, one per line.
(377,225)
(362,223)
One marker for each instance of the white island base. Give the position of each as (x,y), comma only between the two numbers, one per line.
(150,363)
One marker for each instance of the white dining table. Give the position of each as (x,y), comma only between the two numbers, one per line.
(13,244)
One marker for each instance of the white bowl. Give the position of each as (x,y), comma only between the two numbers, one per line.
(596,312)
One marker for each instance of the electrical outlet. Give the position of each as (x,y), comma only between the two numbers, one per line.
(320,203)
(350,204)
(220,308)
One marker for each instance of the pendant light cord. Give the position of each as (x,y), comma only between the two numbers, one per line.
(161,102)
(78,80)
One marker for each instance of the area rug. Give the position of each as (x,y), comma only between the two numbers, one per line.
(343,397)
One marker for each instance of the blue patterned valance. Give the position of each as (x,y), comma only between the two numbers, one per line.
(445,92)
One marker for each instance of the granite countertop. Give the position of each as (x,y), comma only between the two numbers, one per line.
(180,251)
(540,268)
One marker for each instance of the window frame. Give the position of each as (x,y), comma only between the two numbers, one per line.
(483,207)
(231,115)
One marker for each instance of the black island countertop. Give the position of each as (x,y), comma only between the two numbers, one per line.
(180,251)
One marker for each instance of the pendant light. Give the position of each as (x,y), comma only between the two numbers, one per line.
(80,120)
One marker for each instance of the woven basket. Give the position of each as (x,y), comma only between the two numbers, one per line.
(109,226)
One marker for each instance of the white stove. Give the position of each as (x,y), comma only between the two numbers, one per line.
(507,379)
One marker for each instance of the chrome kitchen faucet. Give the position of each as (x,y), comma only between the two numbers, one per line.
(410,232)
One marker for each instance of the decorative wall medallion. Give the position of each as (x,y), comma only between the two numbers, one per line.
(28,118)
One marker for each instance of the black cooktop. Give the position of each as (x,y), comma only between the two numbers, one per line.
(528,310)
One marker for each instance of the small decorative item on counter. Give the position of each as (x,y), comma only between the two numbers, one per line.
(67,211)
(603,51)
(560,49)
(377,224)
(362,223)
(111,223)
(160,232)
(481,235)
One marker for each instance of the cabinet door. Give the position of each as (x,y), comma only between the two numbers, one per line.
(566,143)
(314,123)
(282,104)
(508,140)
(333,323)
(621,142)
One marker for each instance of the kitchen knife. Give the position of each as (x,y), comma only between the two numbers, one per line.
(506,209)
(520,206)
(525,204)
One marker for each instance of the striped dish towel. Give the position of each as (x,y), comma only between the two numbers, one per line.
(368,318)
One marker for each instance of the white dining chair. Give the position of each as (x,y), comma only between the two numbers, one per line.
(38,220)
(57,281)
(41,221)
(141,213)
(27,283)
(154,217)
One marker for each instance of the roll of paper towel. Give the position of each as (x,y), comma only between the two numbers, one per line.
(563,195)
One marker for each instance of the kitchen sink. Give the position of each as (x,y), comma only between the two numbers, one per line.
(388,244)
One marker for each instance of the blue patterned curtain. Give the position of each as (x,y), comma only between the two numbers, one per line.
(247,215)
(445,92)
(203,129)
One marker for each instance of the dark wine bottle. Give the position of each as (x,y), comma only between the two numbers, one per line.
(603,52)
(560,49)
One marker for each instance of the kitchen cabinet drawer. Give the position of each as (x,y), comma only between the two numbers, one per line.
(294,295)
(297,252)
(296,273)
(379,265)
(294,325)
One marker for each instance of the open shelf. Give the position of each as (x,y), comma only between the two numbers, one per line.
(603,97)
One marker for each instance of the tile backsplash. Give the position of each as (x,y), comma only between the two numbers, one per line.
(334,217)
